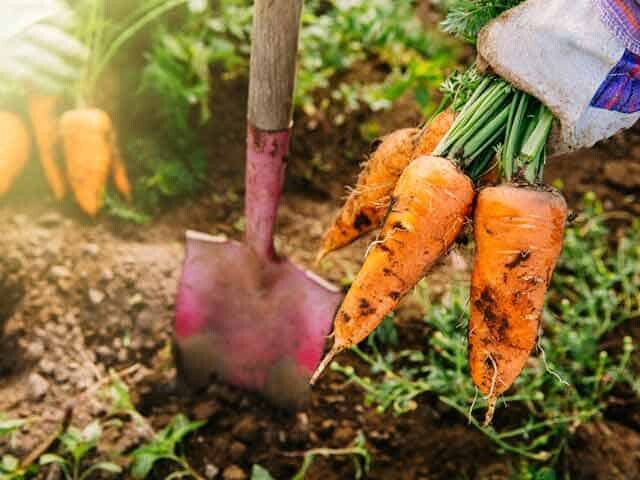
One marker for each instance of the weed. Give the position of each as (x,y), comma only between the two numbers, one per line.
(163,447)
(76,444)
(595,289)
(357,450)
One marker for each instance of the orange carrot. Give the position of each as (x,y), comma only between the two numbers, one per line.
(86,135)
(45,127)
(368,202)
(428,210)
(518,235)
(15,149)
(119,171)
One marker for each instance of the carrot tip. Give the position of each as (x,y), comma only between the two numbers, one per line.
(491,409)
(335,350)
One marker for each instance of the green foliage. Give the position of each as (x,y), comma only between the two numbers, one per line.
(163,447)
(10,468)
(258,472)
(339,39)
(465,18)
(595,289)
(357,450)
(76,444)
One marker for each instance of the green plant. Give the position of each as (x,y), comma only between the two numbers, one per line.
(595,289)
(10,468)
(76,444)
(465,18)
(163,447)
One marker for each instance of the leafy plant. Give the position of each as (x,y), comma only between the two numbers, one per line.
(465,18)
(77,444)
(358,451)
(595,289)
(163,447)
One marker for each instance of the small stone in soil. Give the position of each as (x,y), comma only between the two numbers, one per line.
(96,296)
(59,271)
(211,471)
(234,472)
(246,429)
(91,249)
(49,220)
(237,451)
(205,410)
(38,386)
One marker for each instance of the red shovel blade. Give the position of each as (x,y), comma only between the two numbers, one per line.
(257,324)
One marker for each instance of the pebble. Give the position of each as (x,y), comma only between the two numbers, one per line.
(205,410)
(50,220)
(35,350)
(91,249)
(233,472)
(211,471)
(246,429)
(96,296)
(47,366)
(237,451)
(58,271)
(38,386)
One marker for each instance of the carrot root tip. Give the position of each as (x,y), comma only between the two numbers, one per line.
(491,410)
(325,363)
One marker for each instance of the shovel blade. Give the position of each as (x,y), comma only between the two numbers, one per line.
(257,324)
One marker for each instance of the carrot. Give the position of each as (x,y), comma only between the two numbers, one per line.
(86,135)
(119,171)
(15,149)
(428,211)
(518,235)
(41,111)
(368,202)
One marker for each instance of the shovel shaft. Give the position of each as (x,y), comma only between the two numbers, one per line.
(271,84)
(273,63)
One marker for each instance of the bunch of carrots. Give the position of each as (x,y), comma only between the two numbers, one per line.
(89,146)
(481,158)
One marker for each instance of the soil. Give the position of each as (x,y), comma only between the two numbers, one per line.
(81,298)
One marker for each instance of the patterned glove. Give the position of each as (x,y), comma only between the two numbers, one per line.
(579,57)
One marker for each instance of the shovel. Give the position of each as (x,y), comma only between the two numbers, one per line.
(244,314)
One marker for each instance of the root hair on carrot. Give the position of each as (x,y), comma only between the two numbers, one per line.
(473,405)
(547,367)
(491,410)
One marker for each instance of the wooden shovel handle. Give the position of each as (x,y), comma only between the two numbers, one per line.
(274,47)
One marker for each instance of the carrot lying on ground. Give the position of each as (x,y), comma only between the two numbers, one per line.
(368,202)
(518,236)
(45,127)
(86,136)
(15,148)
(428,210)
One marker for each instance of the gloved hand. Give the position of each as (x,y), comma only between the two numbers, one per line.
(579,57)
(36,48)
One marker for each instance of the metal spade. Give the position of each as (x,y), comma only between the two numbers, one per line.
(244,314)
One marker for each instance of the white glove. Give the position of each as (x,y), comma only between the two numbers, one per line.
(36,49)
(574,56)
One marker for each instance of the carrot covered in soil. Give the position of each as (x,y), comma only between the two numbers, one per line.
(368,202)
(429,207)
(518,236)
(86,136)
(15,149)
(45,127)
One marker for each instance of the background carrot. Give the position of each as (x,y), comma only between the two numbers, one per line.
(429,207)
(45,127)
(86,135)
(119,170)
(14,151)
(518,235)
(368,202)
